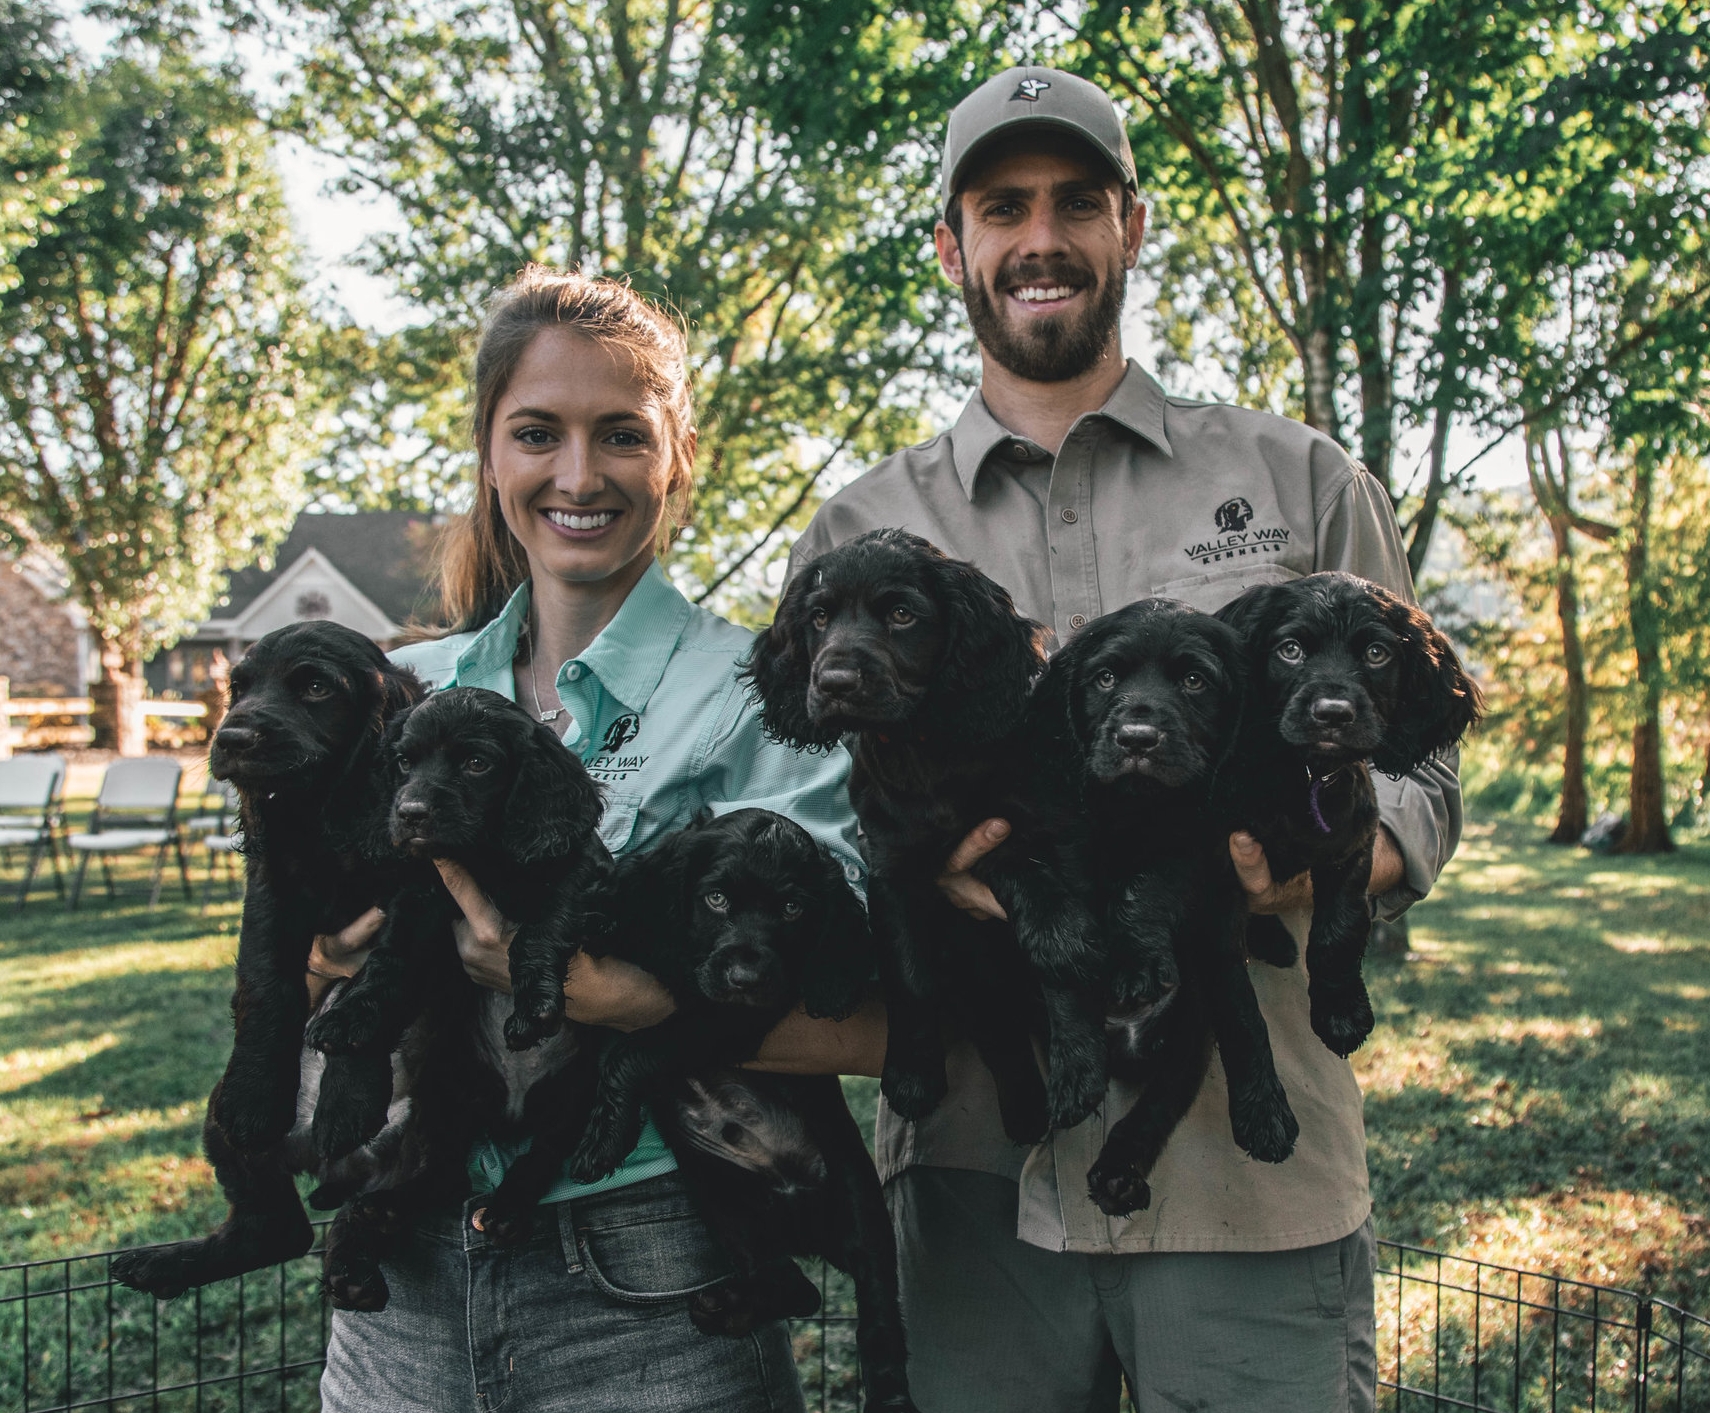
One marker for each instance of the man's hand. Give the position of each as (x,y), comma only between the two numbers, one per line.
(599,990)
(960,886)
(339,954)
(1266,895)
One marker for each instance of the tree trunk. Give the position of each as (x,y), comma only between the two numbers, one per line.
(1571,817)
(116,700)
(1647,826)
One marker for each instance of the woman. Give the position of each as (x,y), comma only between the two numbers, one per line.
(585,435)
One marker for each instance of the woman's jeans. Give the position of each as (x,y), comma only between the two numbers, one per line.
(589,1315)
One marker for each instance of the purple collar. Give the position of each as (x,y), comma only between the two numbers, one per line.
(1318,782)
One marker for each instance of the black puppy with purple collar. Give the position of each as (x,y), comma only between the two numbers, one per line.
(1344,677)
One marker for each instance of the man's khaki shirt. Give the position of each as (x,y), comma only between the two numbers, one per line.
(1155,495)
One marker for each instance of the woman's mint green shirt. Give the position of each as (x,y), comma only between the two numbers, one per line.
(661,720)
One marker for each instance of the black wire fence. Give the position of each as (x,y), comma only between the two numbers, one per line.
(1453,1333)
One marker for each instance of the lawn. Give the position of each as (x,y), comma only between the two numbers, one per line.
(1538,1090)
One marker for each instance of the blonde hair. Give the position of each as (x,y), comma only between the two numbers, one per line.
(480,562)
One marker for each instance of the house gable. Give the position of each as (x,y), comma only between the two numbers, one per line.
(310,587)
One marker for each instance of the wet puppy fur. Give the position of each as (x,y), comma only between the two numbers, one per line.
(1142,711)
(472,777)
(926,664)
(309,708)
(1343,673)
(743,917)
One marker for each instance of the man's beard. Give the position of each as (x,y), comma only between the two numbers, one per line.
(1053,349)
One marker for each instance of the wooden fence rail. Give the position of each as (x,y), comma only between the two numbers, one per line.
(34,708)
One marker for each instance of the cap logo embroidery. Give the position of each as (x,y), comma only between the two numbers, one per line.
(1029,89)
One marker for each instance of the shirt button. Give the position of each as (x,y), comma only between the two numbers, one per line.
(1019,449)
(1078,621)
(575,672)
(1069,516)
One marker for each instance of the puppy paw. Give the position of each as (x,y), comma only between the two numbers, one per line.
(339,1129)
(355,1283)
(527,1027)
(596,1156)
(380,1213)
(1262,1122)
(1075,1089)
(1342,1016)
(350,1026)
(733,1308)
(913,1094)
(1117,1190)
(163,1273)
(727,1310)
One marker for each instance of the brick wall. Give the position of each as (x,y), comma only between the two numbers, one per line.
(38,640)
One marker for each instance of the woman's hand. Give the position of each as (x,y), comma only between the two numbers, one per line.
(960,886)
(341,954)
(599,990)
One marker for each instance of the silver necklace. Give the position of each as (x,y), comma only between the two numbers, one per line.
(547,717)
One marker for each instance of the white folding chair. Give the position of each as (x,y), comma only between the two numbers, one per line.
(215,829)
(137,808)
(31,788)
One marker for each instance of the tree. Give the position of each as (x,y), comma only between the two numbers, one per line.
(148,362)
(769,168)
(35,179)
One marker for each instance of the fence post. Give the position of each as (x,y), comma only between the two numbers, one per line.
(5,721)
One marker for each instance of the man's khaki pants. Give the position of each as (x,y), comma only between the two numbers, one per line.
(998,1326)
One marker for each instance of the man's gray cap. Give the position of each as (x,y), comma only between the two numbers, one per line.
(1035,98)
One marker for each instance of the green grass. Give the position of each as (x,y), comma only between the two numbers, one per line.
(1538,1090)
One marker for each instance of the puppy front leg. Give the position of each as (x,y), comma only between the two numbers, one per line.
(914,1082)
(387,994)
(1077,1059)
(255,1102)
(1001,1026)
(630,1066)
(1341,925)
(556,1111)
(1259,1113)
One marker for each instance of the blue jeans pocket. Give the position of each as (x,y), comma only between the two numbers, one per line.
(642,1251)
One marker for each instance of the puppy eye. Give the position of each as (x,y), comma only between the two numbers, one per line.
(792,911)
(1290,651)
(1193,682)
(901,616)
(317,689)
(476,766)
(717,902)
(731,1133)
(1377,655)
(1105,680)
(403,765)
(819,618)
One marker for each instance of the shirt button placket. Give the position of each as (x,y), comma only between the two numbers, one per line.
(1074,579)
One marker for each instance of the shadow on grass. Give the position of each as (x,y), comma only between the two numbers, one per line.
(1544,1053)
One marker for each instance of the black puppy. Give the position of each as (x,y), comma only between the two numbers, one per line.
(1343,672)
(777,1167)
(742,917)
(309,706)
(926,660)
(480,781)
(1142,709)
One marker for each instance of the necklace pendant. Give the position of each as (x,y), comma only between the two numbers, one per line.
(551,716)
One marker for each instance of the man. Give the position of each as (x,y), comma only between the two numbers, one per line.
(1075,482)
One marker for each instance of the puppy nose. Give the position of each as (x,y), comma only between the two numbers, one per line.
(1333,711)
(412,811)
(836,681)
(236,738)
(1138,737)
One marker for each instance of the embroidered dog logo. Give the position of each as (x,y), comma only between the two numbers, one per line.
(621,732)
(1029,89)
(1234,516)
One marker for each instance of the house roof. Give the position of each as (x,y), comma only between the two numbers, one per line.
(385,554)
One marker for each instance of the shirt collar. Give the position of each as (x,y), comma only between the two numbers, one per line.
(629,655)
(1137,404)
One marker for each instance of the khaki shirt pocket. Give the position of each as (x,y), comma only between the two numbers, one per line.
(1209,592)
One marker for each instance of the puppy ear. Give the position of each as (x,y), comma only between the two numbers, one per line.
(647,899)
(778,668)
(991,656)
(1249,613)
(399,688)
(1437,702)
(1054,737)
(358,813)
(553,806)
(839,963)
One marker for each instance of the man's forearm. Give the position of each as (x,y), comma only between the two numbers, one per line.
(800,1044)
